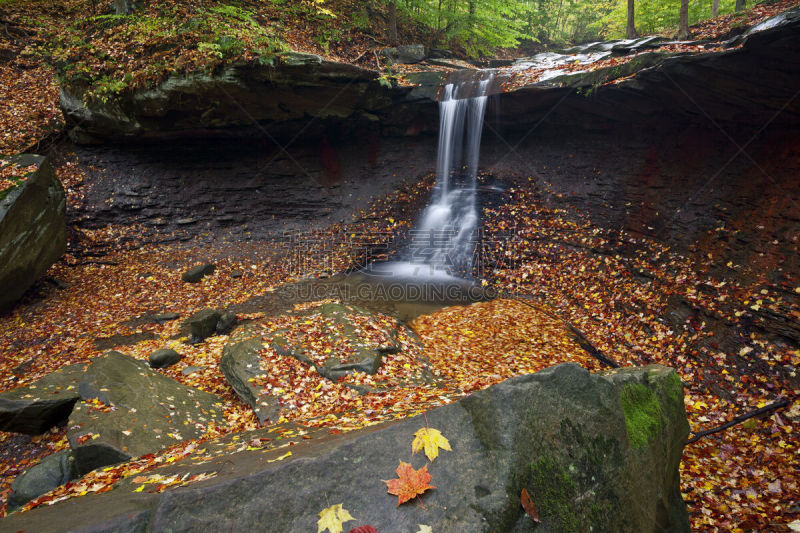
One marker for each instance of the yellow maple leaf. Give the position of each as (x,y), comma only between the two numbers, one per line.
(332,519)
(430,439)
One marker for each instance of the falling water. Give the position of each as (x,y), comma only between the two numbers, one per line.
(443,245)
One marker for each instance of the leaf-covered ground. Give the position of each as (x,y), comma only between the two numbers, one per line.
(745,478)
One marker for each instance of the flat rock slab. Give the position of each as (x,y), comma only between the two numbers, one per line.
(37,407)
(334,339)
(562,434)
(241,363)
(358,339)
(128,410)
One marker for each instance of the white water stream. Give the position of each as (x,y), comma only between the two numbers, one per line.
(444,243)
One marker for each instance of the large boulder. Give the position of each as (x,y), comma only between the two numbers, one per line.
(208,322)
(595,453)
(33,229)
(37,407)
(406,54)
(128,410)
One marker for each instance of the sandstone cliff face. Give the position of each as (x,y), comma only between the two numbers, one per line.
(745,80)
(33,232)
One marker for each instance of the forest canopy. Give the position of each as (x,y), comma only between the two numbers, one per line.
(483,25)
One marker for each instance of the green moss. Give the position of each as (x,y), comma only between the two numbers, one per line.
(554,493)
(673,388)
(643,414)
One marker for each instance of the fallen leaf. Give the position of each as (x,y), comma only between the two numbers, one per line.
(363,529)
(424,529)
(527,504)
(332,518)
(410,482)
(431,439)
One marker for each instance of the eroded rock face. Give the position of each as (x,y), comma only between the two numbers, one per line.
(128,410)
(749,82)
(33,231)
(593,457)
(240,101)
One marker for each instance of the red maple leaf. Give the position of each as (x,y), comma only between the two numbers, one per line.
(363,529)
(410,482)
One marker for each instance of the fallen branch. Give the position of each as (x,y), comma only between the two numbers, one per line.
(362,54)
(774,406)
(577,334)
(590,348)
(82,263)
(376,40)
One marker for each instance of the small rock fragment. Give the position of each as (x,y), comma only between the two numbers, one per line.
(197,273)
(163,358)
(204,323)
(226,323)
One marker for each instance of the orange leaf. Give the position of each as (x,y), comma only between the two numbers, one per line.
(410,482)
(527,504)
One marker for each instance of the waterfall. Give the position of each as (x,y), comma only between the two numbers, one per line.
(444,243)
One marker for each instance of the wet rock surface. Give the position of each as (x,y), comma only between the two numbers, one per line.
(581,437)
(238,192)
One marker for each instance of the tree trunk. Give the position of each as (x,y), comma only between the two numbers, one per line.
(393,23)
(740,5)
(714,8)
(630,31)
(683,29)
